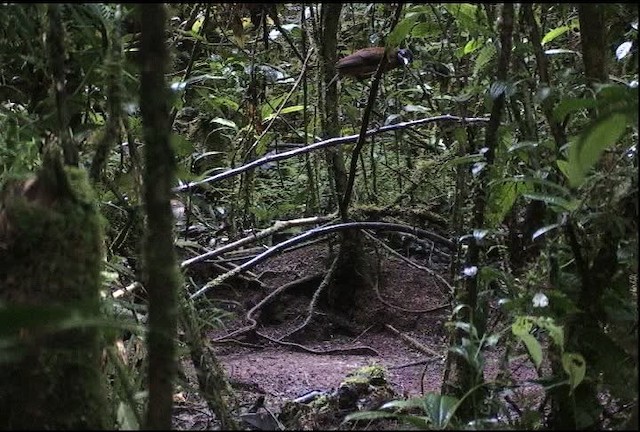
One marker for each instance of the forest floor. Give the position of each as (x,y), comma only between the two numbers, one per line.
(396,328)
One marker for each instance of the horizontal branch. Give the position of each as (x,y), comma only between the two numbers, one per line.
(328,143)
(318,232)
(276,227)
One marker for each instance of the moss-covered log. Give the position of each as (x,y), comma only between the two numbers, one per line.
(50,260)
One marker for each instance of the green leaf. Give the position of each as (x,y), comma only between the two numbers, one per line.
(464,160)
(421,30)
(16,318)
(521,326)
(401,31)
(554,201)
(563,165)
(567,106)
(440,408)
(551,35)
(486,54)
(287,110)
(195,28)
(555,331)
(502,196)
(533,347)
(368,415)
(471,46)
(575,366)
(585,152)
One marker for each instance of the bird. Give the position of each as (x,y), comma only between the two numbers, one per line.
(364,62)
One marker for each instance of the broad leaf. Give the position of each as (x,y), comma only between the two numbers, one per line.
(567,106)
(585,152)
(551,35)
(554,200)
(575,366)
(401,31)
(623,49)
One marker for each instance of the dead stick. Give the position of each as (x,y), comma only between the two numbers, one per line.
(414,343)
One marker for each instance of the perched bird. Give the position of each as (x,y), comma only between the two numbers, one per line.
(364,62)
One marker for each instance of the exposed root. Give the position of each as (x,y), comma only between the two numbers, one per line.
(314,300)
(411,263)
(263,302)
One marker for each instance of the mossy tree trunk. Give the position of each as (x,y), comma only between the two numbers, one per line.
(50,263)
(161,274)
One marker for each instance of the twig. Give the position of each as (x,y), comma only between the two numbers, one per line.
(352,350)
(413,342)
(411,364)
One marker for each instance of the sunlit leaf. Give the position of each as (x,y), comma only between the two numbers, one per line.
(224,122)
(477,168)
(544,230)
(416,108)
(471,46)
(287,110)
(623,49)
(521,326)
(563,165)
(195,28)
(561,51)
(540,300)
(552,34)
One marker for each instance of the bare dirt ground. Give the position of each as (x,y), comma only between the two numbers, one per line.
(397,329)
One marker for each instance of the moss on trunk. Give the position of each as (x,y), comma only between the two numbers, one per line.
(51,257)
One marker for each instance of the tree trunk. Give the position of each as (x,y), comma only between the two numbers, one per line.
(161,272)
(50,262)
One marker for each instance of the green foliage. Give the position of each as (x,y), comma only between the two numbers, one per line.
(438,411)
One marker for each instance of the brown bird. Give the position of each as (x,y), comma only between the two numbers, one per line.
(364,62)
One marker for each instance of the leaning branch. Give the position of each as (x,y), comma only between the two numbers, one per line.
(318,232)
(470,121)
